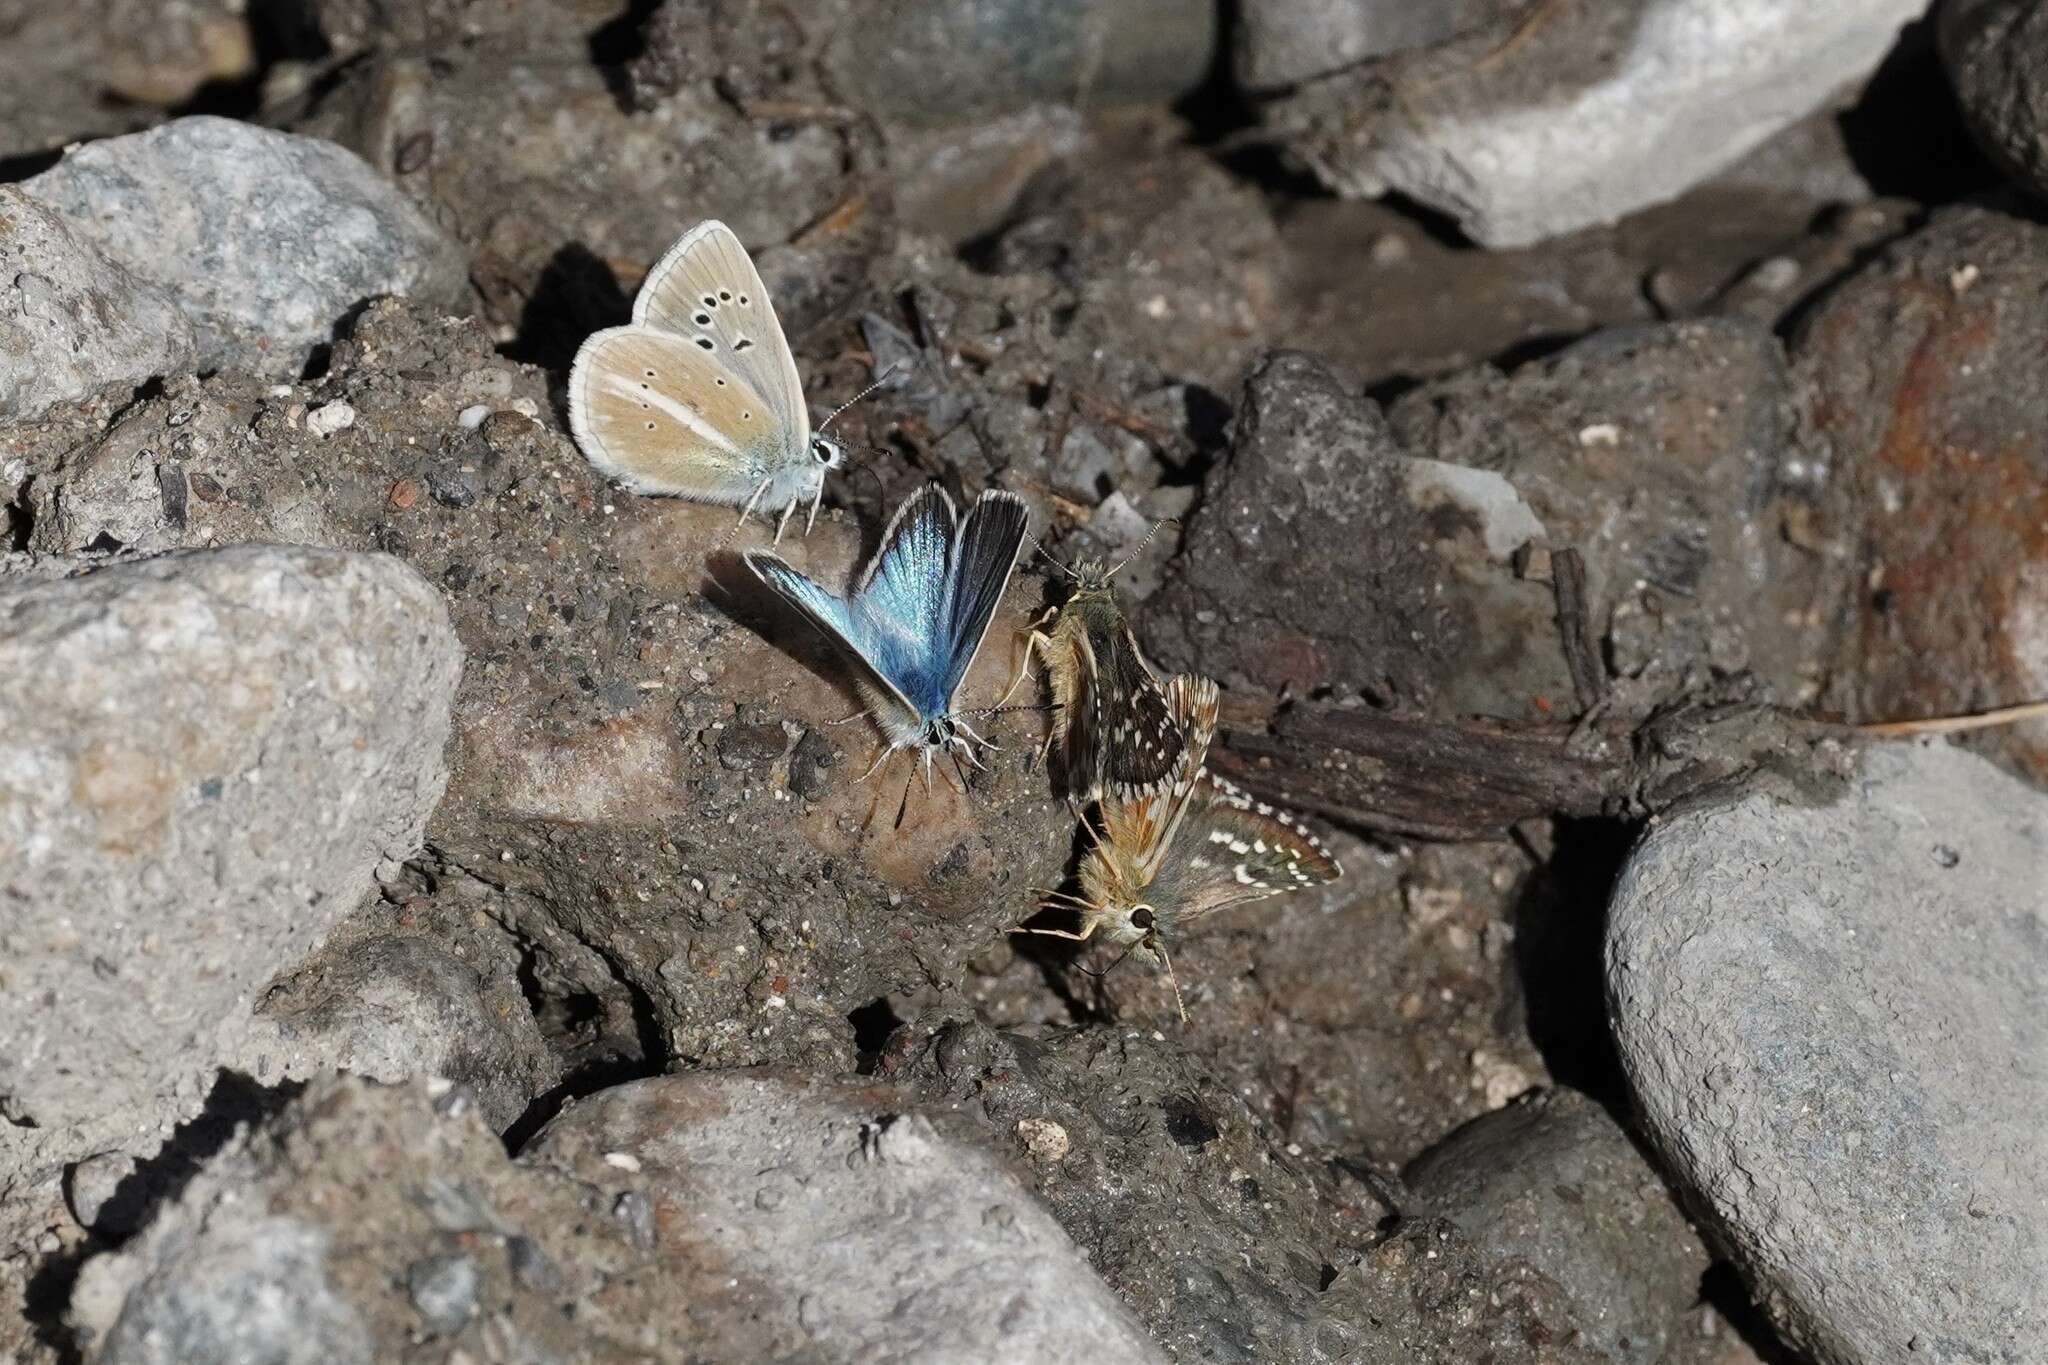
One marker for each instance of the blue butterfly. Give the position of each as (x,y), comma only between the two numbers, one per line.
(916,618)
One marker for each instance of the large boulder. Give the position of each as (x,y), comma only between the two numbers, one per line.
(266,240)
(73,322)
(1557,117)
(1830,1015)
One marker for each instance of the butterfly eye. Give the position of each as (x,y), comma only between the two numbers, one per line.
(1143,918)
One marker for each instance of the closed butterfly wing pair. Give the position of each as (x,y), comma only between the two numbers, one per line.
(917,616)
(1112,728)
(698,397)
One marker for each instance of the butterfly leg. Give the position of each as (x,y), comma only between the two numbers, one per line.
(754,501)
(817,496)
(745,512)
(1087,932)
(965,729)
(876,766)
(1033,642)
(780,526)
(1045,748)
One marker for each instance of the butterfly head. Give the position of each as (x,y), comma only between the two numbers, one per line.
(828,453)
(1127,925)
(1091,577)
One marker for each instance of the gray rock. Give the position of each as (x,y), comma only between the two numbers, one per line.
(935,61)
(1313,492)
(1996,54)
(444,1289)
(1831,1019)
(860,1230)
(246,1287)
(1665,456)
(770,1219)
(392,1007)
(94,1190)
(1555,1183)
(1279,43)
(265,239)
(72,321)
(1522,131)
(204,757)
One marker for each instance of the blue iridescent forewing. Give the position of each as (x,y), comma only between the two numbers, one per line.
(832,616)
(984,556)
(900,603)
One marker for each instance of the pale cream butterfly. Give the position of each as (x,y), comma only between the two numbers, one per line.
(698,397)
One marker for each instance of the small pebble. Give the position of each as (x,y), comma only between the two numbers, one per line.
(329,418)
(92,1187)
(444,1290)
(624,1161)
(532,1266)
(1775,274)
(1390,248)
(472,417)
(1045,1140)
(457,1101)
(633,1209)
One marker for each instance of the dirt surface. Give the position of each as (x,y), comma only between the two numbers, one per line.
(1498,554)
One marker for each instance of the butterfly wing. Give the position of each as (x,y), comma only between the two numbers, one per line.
(1139,829)
(1121,736)
(1233,849)
(984,557)
(705,289)
(900,601)
(663,416)
(841,623)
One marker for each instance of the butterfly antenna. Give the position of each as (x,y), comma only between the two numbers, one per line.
(1100,975)
(880,380)
(1050,557)
(1142,544)
(1005,710)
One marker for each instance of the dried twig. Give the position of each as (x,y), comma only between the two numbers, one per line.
(1581,654)
(1954,725)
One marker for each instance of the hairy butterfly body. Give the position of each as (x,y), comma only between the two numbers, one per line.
(698,397)
(1196,846)
(916,617)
